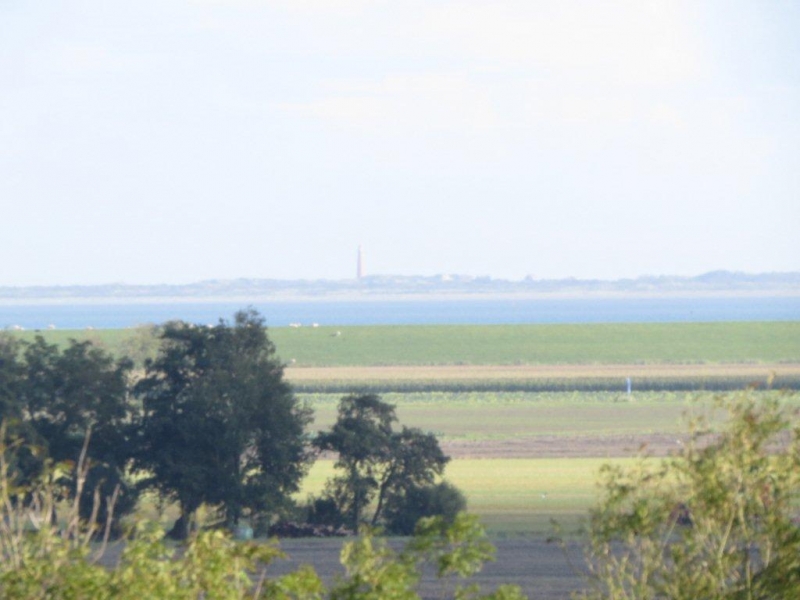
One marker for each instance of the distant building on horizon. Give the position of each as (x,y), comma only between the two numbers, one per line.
(360,264)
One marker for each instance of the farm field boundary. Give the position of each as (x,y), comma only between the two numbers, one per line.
(595,377)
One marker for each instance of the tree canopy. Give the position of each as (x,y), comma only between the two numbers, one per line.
(376,462)
(220,425)
(54,399)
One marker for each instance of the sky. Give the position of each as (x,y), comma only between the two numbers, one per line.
(173,141)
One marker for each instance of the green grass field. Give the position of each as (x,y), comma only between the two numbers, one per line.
(540,344)
(513,344)
(513,496)
(111,339)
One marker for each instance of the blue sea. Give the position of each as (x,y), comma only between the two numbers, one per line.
(411,312)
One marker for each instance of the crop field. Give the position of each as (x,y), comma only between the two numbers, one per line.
(526,458)
(536,425)
(544,378)
(584,344)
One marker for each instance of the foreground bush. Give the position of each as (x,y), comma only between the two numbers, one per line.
(714,522)
(42,559)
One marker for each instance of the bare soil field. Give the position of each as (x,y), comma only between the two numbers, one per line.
(556,446)
(541,569)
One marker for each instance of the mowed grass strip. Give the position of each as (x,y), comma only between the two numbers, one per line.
(513,496)
(515,415)
(480,416)
(759,342)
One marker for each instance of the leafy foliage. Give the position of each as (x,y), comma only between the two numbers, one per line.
(376,461)
(716,521)
(220,425)
(54,398)
(403,511)
(11,373)
(42,560)
(455,552)
(140,344)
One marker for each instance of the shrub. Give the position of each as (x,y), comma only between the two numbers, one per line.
(441,500)
(42,559)
(736,491)
(325,511)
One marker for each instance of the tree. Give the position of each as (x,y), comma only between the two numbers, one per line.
(219,423)
(714,522)
(23,461)
(65,397)
(11,373)
(377,463)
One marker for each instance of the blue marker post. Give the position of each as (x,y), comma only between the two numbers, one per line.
(628,379)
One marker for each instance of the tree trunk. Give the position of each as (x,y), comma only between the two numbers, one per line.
(356,485)
(180,530)
(381,500)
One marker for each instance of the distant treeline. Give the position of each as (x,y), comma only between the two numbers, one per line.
(376,285)
(209,421)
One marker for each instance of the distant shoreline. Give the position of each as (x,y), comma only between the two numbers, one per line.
(396,297)
(411,288)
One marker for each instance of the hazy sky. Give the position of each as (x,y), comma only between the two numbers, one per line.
(173,141)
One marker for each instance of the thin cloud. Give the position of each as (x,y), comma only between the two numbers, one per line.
(623,42)
(399,102)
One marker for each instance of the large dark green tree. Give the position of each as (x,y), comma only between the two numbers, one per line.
(11,374)
(220,425)
(54,400)
(376,463)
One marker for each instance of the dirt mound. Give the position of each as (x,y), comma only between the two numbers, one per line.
(291,529)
